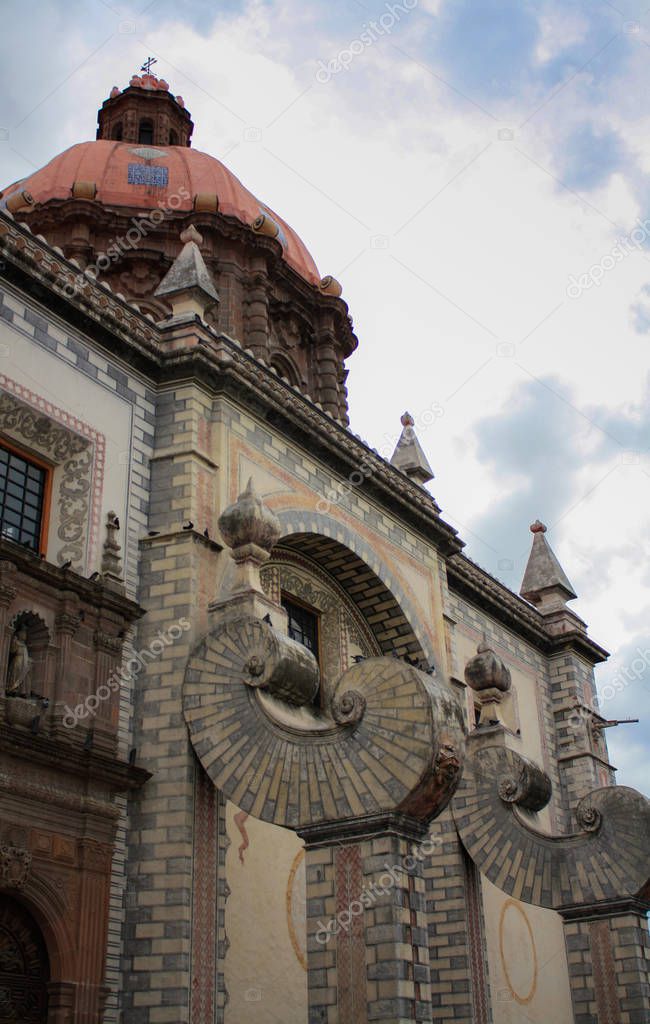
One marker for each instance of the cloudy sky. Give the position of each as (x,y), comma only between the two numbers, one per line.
(475,172)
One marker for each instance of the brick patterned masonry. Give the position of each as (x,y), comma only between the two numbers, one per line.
(608,967)
(167,925)
(392,975)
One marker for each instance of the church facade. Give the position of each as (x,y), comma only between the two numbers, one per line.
(272,747)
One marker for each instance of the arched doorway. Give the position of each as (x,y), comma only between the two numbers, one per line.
(24,966)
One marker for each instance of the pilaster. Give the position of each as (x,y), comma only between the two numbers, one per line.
(366,925)
(608,951)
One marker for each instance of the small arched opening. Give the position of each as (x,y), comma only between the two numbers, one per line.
(173,138)
(145,132)
(285,367)
(117,132)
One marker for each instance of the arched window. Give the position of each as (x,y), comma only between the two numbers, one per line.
(173,138)
(117,132)
(285,368)
(145,133)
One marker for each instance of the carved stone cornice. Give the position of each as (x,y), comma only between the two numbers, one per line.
(366,826)
(8,589)
(57,274)
(478,586)
(95,856)
(107,643)
(77,588)
(62,757)
(67,623)
(54,795)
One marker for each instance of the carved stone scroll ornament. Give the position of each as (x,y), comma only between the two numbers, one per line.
(393,742)
(349,708)
(280,665)
(608,859)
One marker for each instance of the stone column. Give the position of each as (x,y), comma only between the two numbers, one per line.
(327,365)
(608,950)
(8,592)
(366,926)
(108,649)
(257,325)
(66,625)
(60,1002)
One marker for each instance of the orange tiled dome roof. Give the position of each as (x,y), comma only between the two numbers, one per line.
(173,177)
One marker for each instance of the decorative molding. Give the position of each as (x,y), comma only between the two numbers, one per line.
(476,943)
(350,941)
(15,866)
(478,586)
(340,620)
(68,443)
(604,973)
(203,1004)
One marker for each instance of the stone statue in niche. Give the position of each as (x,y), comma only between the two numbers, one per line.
(20,665)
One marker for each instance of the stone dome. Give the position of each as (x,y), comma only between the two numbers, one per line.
(148,177)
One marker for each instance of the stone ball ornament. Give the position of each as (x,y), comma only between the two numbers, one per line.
(487,671)
(249,521)
(391,741)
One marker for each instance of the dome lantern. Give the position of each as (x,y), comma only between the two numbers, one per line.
(146,114)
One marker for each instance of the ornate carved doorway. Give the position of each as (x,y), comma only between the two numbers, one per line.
(24,967)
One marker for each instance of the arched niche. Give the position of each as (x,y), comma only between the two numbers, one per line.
(379,602)
(29,627)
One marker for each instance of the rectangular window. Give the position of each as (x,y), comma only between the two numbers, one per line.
(303,625)
(23,489)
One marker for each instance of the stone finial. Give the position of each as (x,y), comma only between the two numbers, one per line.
(111,568)
(188,284)
(190,234)
(250,529)
(487,671)
(249,522)
(545,583)
(409,456)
